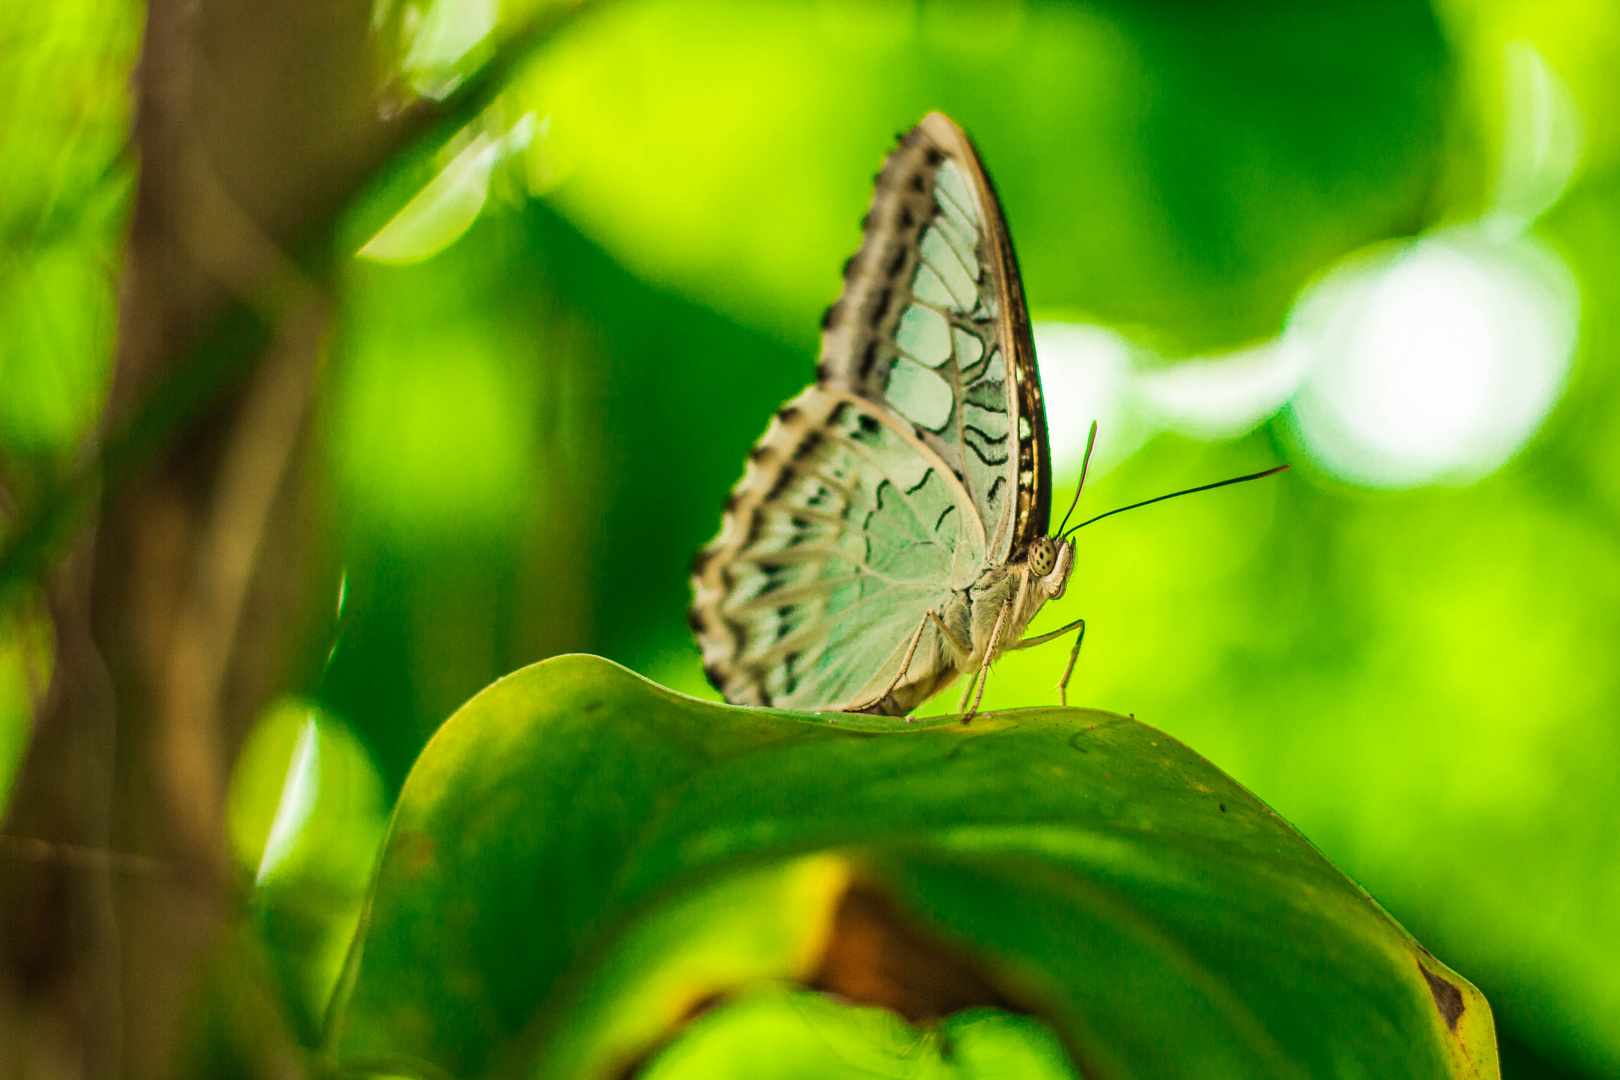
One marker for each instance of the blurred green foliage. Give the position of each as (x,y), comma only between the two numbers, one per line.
(64,116)
(62,213)
(784,1033)
(305,816)
(536,403)
(25,659)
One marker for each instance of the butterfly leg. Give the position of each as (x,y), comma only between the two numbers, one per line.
(956,642)
(911,650)
(1074,654)
(905,664)
(983,674)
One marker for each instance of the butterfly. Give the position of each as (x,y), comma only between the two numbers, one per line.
(889,533)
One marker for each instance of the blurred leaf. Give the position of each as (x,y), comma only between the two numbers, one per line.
(783,1033)
(26,648)
(56,336)
(449,39)
(434,46)
(342,817)
(446,208)
(441,212)
(64,118)
(577,845)
(305,815)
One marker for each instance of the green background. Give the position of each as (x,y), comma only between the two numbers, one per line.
(524,431)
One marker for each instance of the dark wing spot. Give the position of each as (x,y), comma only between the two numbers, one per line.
(828,317)
(782,481)
(783,614)
(898,263)
(984,456)
(824,371)
(701,561)
(812,439)
(790,678)
(760,453)
(848,263)
(988,394)
(916,182)
(694,619)
(1447,998)
(935,156)
(905,218)
(867,425)
(881,308)
(787,414)
(775,577)
(869,358)
(715,676)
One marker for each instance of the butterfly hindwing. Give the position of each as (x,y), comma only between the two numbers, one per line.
(842,533)
(932,324)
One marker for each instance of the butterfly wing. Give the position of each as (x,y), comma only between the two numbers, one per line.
(918,461)
(932,324)
(842,534)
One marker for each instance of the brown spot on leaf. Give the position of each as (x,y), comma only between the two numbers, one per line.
(876,957)
(1447,998)
(417,851)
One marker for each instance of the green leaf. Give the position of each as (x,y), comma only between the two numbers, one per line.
(581,862)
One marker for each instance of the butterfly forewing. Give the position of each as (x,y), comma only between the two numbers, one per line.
(917,464)
(932,324)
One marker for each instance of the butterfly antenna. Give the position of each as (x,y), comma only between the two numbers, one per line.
(1178,494)
(1085,464)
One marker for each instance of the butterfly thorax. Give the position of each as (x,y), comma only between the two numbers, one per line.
(1042,575)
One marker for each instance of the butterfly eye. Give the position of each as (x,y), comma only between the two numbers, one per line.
(1042,556)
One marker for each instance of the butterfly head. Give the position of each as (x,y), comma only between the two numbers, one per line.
(1051,558)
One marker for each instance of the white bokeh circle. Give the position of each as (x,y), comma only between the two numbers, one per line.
(1435,362)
